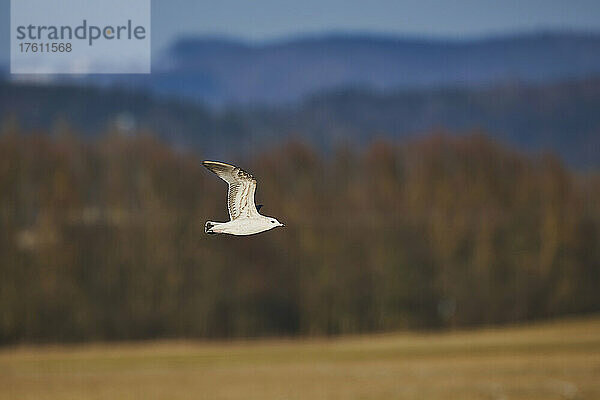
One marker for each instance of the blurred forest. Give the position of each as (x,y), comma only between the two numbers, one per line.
(103,239)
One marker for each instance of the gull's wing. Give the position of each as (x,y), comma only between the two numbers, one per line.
(242,185)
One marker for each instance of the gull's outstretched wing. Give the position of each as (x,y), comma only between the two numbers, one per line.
(242,185)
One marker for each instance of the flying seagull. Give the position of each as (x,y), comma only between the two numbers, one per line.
(244,218)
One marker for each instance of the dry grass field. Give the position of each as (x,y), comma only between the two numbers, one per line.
(554,360)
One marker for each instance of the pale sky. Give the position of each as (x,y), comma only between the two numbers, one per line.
(275,19)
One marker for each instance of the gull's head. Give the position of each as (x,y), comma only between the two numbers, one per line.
(273,223)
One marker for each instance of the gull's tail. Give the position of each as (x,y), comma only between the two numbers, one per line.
(208,227)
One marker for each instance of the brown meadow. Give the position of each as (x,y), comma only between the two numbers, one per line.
(556,360)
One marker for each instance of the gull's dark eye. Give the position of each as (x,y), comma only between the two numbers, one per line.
(272,222)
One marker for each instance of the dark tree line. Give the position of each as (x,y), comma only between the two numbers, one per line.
(104,240)
(563,116)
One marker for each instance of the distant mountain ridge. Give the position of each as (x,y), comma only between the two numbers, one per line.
(225,71)
(230,71)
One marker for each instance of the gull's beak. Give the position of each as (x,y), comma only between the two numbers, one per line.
(282,224)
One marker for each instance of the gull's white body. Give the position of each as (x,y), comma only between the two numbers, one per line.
(243,226)
(244,217)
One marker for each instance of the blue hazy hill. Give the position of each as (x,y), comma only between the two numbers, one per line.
(222,70)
